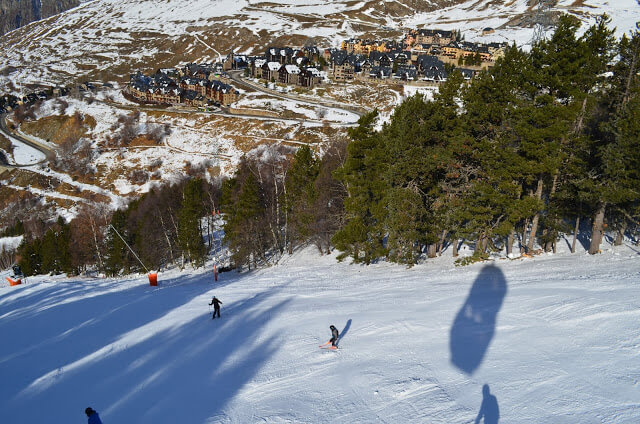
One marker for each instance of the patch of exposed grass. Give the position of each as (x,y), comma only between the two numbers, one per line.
(144,140)
(25,178)
(5,144)
(60,128)
(111,174)
(9,196)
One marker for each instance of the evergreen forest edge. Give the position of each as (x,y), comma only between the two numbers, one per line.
(524,152)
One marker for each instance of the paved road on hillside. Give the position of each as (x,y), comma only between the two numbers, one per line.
(236,76)
(4,130)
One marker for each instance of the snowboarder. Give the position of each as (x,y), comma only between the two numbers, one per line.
(94,418)
(334,337)
(216,306)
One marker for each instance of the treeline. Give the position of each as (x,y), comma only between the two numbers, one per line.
(278,201)
(523,153)
(544,140)
(165,226)
(13,230)
(528,149)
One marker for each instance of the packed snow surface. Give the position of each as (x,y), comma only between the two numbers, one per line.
(554,338)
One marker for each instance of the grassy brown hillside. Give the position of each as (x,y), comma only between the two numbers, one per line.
(59,129)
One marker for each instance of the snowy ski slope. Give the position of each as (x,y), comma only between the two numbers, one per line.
(554,337)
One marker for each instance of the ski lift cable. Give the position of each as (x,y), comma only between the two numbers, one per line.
(127,244)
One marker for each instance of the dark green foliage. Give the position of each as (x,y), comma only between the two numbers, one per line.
(301,195)
(328,207)
(30,258)
(362,174)
(189,222)
(541,136)
(162,227)
(245,226)
(17,229)
(118,257)
(49,254)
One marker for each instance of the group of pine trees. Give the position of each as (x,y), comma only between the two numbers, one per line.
(529,149)
(277,201)
(165,226)
(543,139)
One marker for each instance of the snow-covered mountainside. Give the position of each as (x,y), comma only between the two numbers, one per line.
(554,338)
(108,39)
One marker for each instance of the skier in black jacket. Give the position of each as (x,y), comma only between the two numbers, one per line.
(216,306)
(334,336)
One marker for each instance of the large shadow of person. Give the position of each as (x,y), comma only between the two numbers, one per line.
(474,325)
(344,332)
(489,409)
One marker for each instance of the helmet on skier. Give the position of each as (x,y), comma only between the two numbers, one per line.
(89,411)
(332,327)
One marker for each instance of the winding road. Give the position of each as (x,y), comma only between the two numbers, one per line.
(4,130)
(236,77)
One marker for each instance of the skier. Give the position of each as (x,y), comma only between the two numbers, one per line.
(216,306)
(334,337)
(94,418)
(17,271)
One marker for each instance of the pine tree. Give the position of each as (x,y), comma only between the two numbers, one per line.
(493,202)
(118,257)
(54,251)
(301,195)
(416,140)
(362,234)
(244,229)
(328,208)
(48,252)
(189,222)
(608,156)
(63,244)
(30,259)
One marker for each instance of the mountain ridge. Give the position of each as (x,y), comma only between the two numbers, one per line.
(108,39)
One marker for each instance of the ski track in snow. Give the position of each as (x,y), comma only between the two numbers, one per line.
(557,343)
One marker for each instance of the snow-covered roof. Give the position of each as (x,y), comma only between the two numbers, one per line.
(314,71)
(292,69)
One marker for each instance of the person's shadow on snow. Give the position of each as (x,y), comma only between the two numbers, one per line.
(474,325)
(489,408)
(344,331)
